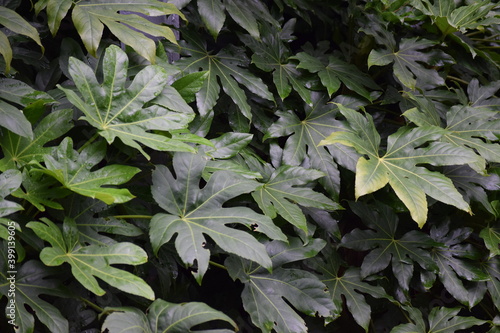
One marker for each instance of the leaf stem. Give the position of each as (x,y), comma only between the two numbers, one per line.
(133,216)
(89,141)
(92,305)
(213,263)
(454,78)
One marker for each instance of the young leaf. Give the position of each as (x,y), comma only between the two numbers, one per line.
(31,281)
(118,110)
(284,191)
(440,319)
(72,170)
(229,65)
(399,166)
(193,212)
(19,150)
(163,316)
(408,62)
(387,246)
(264,293)
(89,262)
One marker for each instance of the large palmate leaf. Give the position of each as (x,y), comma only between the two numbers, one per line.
(473,126)
(246,13)
(387,246)
(128,111)
(229,65)
(347,286)
(89,262)
(264,293)
(399,166)
(90,16)
(458,261)
(283,191)
(32,280)
(193,212)
(271,55)
(304,137)
(166,317)
(73,170)
(408,62)
(17,24)
(18,150)
(333,71)
(440,319)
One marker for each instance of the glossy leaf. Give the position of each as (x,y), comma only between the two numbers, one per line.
(163,316)
(119,111)
(491,237)
(89,262)
(10,181)
(399,168)
(32,280)
(73,170)
(193,212)
(90,16)
(19,150)
(285,190)
(304,137)
(264,292)
(408,60)
(229,66)
(387,246)
(440,320)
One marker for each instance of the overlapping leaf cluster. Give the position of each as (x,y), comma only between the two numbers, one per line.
(250,165)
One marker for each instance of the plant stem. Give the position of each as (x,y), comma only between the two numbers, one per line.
(213,263)
(89,141)
(92,305)
(133,216)
(454,78)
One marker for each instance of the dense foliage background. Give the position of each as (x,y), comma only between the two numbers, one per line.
(250,165)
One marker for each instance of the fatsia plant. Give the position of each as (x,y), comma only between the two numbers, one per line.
(281,166)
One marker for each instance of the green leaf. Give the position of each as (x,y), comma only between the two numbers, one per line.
(242,12)
(285,190)
(89,262)
(334,71)
(18,92)
(118,110)
(453,263)
(212,14)
(408,60)
(193,212)
(90,16)
(387,246)
(399,168)
(264,293)
(190,84)
(10,180)
(14,120)
(16,23)
(491,237)
(228,145)
(72,170)
(40,190)
(230,65)
(304,137)
(440,319)
(163,316)
(347,286)
(271,55)
(19,150)
(32,280)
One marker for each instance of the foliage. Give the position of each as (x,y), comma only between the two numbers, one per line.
(250,165)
